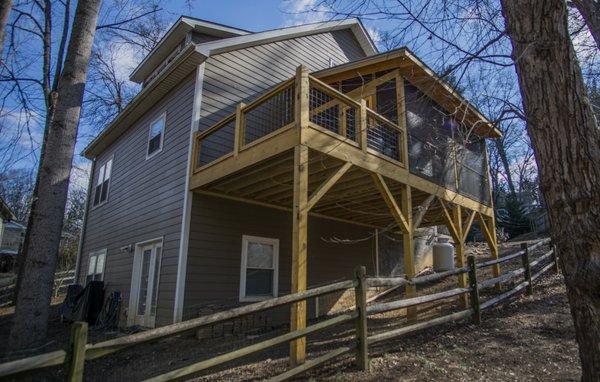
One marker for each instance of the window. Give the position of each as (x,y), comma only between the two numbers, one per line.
(259,270)
(102,183)
(156,136)
(96,266)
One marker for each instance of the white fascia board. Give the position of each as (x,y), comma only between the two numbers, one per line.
(235,43)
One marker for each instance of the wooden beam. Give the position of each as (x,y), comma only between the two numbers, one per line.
(299,251)
(326,186)
(449,221)
(467,226)
(239,134)
(362,125)
(391,202)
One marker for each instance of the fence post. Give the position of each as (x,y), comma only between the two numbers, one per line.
(76,351)
(554,256)
(474,289)
(360,296)
(239,134)
(525,260)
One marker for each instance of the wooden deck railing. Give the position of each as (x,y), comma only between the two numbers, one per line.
(330,111)
(80,351)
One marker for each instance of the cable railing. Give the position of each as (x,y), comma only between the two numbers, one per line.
(326,109)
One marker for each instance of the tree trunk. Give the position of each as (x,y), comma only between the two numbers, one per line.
(5,7)
(504,159)
(35,289)
(590,11)
(566,142)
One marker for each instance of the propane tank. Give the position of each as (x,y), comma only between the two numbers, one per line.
(443,255)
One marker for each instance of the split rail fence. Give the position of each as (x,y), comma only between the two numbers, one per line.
(79,351)
(61,281)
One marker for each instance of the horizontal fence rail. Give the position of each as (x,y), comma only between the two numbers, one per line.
(61,281)
(79,351)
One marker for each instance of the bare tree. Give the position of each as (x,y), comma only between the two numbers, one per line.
(566,140)
(46,217)
(590,11)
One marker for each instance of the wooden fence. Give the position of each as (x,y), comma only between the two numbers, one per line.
(80,351)
(61,281)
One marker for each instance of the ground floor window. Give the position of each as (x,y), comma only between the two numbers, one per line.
(96,266)
(259,268)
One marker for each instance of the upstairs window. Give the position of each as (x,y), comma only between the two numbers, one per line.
(102,183)
(156,137)
(259,269)
(96,266)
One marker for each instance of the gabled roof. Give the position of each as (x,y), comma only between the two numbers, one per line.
(192,55)
(174,36)
(421,76)
(234,43)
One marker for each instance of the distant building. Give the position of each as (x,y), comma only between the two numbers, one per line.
(6,232)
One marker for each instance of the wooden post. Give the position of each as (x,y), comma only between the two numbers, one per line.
(299,251)
(360,295)
(302,98)
(460,250)
(525,261)
(474,290)
(239,134)
(362,125)
(77,342)
(408,245)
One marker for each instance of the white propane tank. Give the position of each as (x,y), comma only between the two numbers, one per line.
(443,255)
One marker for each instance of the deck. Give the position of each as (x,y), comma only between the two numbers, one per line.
(308,148)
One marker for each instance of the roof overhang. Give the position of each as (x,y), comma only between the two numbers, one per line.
(240,42)
(178,69)
(174,36)
(421,76)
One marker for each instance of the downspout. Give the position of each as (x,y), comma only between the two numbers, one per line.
(84,222)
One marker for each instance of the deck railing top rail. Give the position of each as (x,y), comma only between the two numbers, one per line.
(276,111)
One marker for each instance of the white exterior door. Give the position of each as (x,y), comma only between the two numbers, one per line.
(144,288)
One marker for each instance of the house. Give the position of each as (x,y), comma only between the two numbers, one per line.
(252,165)
(9,242)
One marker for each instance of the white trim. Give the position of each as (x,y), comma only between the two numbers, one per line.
(162,117)
(135,282)
(187,202)
(234,43)
(246,239)
(96,253)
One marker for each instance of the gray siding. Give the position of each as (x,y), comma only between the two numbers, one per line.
(145,199)
(214,255)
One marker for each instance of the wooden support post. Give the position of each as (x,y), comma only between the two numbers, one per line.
(408,245)
(76,360)
(360,295)
(302,98)
(527,267)
(239,134)
(488,228)
(460,250)
(474,290)
(299,251)
(362,125)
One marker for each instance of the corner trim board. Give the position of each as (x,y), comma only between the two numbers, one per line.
(187,202)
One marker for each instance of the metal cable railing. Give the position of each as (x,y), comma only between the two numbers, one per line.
(332,113)
(384,136)
(269,115)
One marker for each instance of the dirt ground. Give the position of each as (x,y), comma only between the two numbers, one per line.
(527,338)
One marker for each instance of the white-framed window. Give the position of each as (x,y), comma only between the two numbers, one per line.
(102,183)
(96,266)
(156,136)
(259,273)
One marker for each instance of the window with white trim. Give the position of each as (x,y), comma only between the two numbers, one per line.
(102,183)
(156,136)
(260,268)
(96,266)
